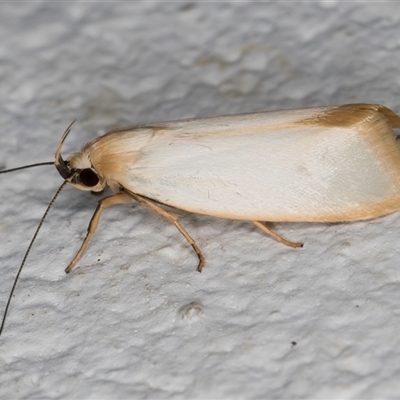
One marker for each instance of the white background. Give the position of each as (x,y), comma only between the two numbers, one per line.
(134,319)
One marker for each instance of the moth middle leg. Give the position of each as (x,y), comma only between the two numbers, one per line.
(173,219)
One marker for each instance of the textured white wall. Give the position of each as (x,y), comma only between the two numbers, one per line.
(320,322)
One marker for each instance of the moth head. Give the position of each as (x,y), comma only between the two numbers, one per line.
(77,169)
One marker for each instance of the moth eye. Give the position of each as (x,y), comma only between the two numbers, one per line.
(88,177)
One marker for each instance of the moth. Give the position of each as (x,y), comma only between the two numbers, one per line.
(322,164)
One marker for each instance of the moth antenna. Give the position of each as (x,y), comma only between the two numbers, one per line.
(27,166)
(59,161)
(27,253)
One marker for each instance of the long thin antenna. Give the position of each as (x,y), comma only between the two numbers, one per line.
(27,253)
(27,166)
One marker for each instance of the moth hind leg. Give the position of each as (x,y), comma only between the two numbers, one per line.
(275,236)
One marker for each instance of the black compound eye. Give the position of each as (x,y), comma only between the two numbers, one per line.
(88,177)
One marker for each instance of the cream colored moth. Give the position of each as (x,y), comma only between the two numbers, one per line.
(323,164)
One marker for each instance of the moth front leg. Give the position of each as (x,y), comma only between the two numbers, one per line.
(120,198)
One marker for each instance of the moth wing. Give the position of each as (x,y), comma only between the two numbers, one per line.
(323,164)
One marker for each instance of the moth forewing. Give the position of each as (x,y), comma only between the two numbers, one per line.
(326,164)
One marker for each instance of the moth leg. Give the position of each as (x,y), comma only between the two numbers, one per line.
(275,236)
(120,198)
(173,219)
